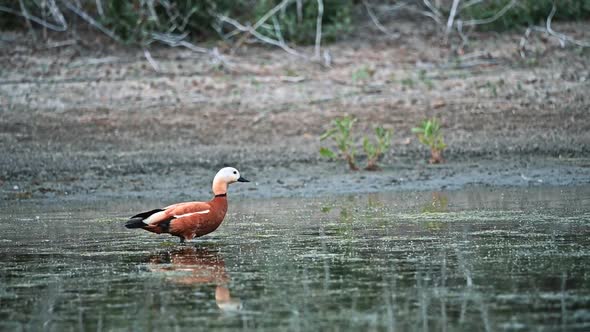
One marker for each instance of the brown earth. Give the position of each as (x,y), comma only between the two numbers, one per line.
(97,122)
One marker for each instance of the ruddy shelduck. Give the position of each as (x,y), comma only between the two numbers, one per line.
(190,219)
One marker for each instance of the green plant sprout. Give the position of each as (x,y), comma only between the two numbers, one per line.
(341,134)
(408,81)
(429,133)
(424,78)
(374,152)
(364,73)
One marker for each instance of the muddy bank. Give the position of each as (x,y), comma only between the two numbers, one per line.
(88,123)
(148,178)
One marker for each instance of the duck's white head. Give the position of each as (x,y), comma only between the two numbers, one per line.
(224,177)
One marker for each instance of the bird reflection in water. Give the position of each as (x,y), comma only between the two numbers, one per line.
(194,266)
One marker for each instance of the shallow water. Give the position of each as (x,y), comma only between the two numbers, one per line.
(472,260)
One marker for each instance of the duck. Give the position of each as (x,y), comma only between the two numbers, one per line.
(188,220)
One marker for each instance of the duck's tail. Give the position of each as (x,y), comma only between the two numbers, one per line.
(135,223)
(137,220)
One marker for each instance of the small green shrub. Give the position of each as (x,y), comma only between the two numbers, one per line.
(409,82)
(375,151)
(341,134)
(422,75)
(364,73)
(430,134)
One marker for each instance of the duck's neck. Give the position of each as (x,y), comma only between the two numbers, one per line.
(219,187)
(219,205)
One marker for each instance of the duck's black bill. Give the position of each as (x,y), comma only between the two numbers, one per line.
(241,179)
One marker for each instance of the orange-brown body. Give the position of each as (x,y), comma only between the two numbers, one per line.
(191,219)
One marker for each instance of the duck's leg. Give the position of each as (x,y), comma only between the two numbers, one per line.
(181,240)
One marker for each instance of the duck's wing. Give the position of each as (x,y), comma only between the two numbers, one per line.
(181,210)
(158,216)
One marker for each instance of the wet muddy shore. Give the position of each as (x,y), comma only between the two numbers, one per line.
(92,124)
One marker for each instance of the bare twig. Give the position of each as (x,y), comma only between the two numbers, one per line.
(63,43)
(523,42)
(464,39)
(451,18)
(278,31)
(99,8)
(54,11)
(151,60)
(376,20)
(433,13)
(91,21)
(26,15)
(259,36)
(270,13)
(174,40)
(299,11)
(494,17)
(258,24)
(563,38)
(318,31)
(152,10)
(468,4)
(436,13)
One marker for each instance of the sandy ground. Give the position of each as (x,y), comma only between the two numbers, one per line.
(97,122)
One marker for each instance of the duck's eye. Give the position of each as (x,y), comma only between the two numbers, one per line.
(235,172)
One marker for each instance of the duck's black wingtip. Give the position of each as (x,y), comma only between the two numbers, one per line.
(135,223)
(145,215)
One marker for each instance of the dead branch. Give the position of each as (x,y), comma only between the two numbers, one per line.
(318,31)
(63,43)
(299,11)
(259,36)
(259,23)
(436,15)
(55,12)
(26,15)
(277,30)
(151,60)
(376,20)
(99,8)
(494,17)
(468,4)
(252,30)
(523,42)
(91,21)
(451,18)
(270,13)
(563,38)
(175,40)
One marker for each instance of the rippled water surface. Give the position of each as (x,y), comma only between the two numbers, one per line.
(474,260)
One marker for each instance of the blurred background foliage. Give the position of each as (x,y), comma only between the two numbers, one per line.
(299,25)
(134,21)
(526,12)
